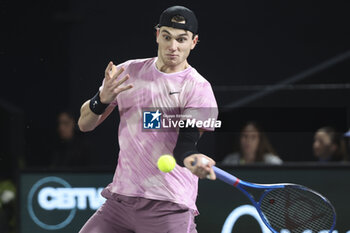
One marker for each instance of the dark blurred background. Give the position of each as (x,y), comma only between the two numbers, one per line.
(53,55)
(284,64)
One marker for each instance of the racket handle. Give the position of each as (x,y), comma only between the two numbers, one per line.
(225,176)
(221,174)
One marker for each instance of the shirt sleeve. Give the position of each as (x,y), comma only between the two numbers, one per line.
(125,65)
(201,106)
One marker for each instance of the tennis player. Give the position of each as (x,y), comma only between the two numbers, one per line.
(141,198)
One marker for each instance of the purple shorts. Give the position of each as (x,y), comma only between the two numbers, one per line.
(123,214)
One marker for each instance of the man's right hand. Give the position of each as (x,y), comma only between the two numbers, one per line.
(200,165)
(112,85)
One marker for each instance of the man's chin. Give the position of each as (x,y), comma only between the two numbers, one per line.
(172,62)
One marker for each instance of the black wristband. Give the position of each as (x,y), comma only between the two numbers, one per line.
(186,144)
(96,106)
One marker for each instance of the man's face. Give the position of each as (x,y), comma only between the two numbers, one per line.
(174,45)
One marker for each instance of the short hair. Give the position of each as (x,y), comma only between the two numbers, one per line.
(178,19)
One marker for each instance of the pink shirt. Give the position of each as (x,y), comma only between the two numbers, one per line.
(137,173)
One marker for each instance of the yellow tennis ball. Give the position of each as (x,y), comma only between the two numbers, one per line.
(166,163)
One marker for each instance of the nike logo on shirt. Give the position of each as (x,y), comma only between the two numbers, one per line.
(174,92)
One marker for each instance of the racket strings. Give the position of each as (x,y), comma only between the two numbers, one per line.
(297,209)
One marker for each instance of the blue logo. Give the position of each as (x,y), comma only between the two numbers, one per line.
(151,120)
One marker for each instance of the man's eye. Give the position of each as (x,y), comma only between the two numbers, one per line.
(167,37)
(181,39)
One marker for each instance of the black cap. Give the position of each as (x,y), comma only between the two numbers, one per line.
(191,23)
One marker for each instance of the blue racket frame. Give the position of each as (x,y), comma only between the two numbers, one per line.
(236,182)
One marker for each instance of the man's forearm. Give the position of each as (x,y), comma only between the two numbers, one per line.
(87,120)
(93,115)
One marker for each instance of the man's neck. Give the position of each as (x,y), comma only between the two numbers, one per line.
(171,69)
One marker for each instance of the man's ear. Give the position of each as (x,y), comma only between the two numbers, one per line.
(157,34)
(194,42)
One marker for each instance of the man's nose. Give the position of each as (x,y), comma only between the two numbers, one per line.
(173,45)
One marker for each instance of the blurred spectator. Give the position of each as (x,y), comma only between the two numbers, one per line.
(254,146)
(69,150)
(347,139)
(347,134)
(7,206)
(329,145)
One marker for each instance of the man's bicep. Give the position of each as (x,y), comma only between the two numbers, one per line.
(201,104)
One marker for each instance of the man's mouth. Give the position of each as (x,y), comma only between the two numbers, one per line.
(172,55)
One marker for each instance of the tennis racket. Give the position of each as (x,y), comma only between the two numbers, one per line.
(285,206)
